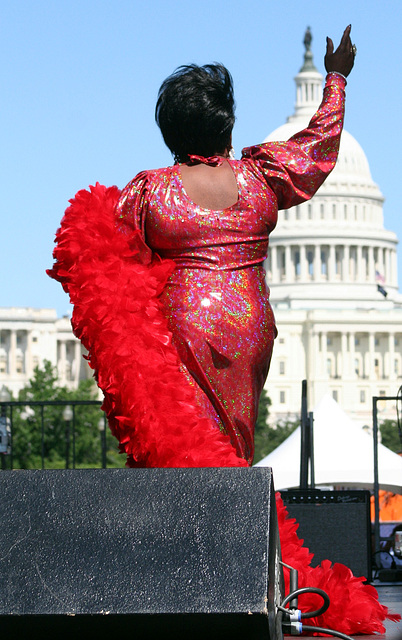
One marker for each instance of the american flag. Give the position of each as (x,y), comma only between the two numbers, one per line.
(379,277)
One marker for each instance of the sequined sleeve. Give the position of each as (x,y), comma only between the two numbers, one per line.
(131,207)
(295,169)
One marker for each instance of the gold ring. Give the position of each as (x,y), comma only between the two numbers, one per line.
(354,49)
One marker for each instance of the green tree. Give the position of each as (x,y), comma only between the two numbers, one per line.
(266,437)
(44,431)
(390,435)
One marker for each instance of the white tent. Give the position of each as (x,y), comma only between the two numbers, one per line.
(343,454)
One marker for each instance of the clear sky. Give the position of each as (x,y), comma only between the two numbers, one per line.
(79,80)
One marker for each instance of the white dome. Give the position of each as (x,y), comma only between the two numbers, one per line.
(340,233)
(352,167)
(352,160)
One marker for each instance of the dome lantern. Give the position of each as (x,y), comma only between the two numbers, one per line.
(308,83)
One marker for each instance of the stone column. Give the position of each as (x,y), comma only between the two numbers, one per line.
(12,354)
(77,362)
(316,356)
(359,266)
(370,356)
(62,361)
(371,264)
(344,368)
(389,278)
(331,263)
(346,264)
(381,262)
(385,272)
(324,354)
(317,263)
(352,354)
(303,263)
(274,265)
(390,370)
(288,264)
(28,355)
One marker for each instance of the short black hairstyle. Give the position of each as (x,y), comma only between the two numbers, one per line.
(195,110)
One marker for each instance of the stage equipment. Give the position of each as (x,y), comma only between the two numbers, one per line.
(334,525)
(164,553)
(375,400)
(307,473)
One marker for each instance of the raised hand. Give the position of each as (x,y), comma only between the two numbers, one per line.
(343,59)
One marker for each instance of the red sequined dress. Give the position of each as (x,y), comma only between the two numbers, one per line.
(216,301)
(172,305)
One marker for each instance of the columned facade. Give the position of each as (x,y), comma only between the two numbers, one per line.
(30,336)
(351,355)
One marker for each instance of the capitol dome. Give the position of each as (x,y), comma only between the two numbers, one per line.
(352,167)
(352,161)
(334,249)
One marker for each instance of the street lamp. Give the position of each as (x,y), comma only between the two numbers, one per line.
(67,417)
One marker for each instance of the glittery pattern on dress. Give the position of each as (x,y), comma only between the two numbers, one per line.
(217,300)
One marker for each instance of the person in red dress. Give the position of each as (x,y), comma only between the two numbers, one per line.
(212,215)
(170,298)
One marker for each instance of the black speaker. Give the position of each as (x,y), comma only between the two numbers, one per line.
(334,525)
(149,552)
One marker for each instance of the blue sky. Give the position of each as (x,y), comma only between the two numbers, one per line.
(79,80)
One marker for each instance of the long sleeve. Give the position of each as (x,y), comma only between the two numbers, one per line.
(295,169)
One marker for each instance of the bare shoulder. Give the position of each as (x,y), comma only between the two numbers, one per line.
(210,187)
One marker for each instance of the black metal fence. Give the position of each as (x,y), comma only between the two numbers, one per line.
(55,434)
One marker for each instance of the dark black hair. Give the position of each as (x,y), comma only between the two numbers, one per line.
(195,110)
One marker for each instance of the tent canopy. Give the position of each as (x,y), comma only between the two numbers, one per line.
(343,454)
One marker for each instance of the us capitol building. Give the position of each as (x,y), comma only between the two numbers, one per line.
(332,271)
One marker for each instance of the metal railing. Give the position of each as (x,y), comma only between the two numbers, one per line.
(14,414)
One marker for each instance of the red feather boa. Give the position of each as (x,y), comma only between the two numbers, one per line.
(114,283)
(354,607)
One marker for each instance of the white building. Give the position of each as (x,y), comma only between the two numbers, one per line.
(30,336)
(327,258)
